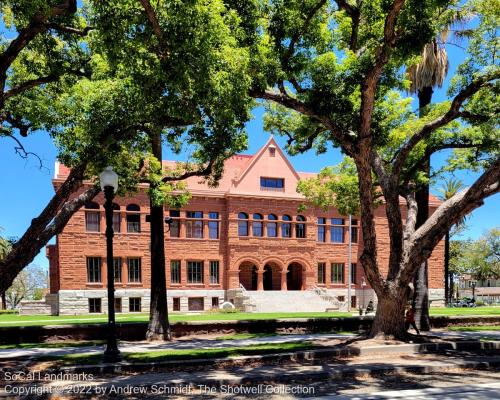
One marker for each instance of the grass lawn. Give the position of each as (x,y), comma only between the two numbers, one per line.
(474,328)
(56,345)
(25,320)
(451,311)
(166,355)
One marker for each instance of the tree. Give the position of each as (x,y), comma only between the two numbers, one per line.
(42,54)
(479,258)
(332,73)
(193,71)
(449,189)
(26,285)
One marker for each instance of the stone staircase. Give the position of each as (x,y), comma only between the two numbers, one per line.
(291,301)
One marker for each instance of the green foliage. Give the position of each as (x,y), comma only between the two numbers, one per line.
(479,258)
(333,187)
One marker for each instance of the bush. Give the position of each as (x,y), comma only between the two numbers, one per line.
(480,303)
(9,312)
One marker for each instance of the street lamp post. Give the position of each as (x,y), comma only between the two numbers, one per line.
(109,185)
(473,285)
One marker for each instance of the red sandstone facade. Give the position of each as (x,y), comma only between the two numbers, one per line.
(246,233)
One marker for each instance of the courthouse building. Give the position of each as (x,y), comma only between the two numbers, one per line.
(244,241)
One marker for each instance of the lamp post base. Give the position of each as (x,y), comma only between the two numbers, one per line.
(112,354)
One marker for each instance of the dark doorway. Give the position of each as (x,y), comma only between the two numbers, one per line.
(268,278)
(254,278)
(294,277)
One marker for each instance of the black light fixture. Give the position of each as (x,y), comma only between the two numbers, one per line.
(109,185)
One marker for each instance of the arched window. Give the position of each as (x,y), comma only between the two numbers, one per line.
(92,217)
(300,227)
(257,225)
(133,218)
(286,227)
(243,224)
(272,227)
(117,218)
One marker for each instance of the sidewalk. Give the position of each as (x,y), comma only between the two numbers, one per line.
(139,347)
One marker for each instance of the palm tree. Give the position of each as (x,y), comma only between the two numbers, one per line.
(424,76)
(449,188)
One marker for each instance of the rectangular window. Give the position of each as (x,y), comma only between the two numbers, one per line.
(117,269)
(195,272)
(214,272)
(194,226)
(354,231)
(337,273)
(93,269)
(321,229)
(134,304)
(353,302)
(272,229)
(353,273)
(341,298)
(118,304)
(196,304)
(286,230)
(134,223)
(92,221)
(175,271)
(337,232)
(321,273)
(94,305)
(215,302)
(134,270)
(273,184)
(176,223)
(117,220)
(176,304)
(213,226)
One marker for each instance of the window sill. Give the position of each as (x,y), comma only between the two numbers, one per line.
(95,285)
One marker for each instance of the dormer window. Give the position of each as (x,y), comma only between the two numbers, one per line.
(272,184)
(272,151)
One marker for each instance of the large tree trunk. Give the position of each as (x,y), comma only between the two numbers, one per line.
(159,327)
(4,301)
(421,282)
(389,319)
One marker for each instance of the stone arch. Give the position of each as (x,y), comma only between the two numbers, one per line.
(295,276)
(272,274)
(239,261)
(299,260)
(248,272)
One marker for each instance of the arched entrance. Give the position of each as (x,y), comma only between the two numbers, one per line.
(271,277)
(294,276)
(268,278)
(248,275)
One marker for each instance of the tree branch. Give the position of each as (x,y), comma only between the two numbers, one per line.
(369,85)
(155,26)
(30,84)
(424,240)
(70,29)
(353,12)
(296,105)
(452,114)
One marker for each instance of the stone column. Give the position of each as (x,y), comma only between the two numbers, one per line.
(260,279)
(283,280)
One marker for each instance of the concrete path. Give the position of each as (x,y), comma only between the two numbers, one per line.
(481,391)
(138,347)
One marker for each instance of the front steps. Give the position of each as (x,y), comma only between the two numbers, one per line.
(282,301)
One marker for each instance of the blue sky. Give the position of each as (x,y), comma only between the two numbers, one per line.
(26,189)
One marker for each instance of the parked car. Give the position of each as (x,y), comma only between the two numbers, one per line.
(465,302)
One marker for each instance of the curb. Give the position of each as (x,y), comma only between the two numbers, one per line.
(307,355)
